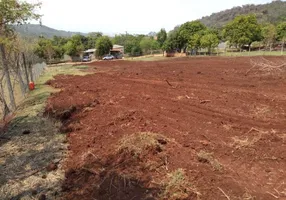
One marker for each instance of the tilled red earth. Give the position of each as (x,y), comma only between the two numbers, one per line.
(223,127)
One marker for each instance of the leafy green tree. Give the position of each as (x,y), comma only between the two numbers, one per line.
(243,30)
(45,49)
(173,42)
(59,46)
(74,46)
(194,42)
(209,41)
(136,50)
(161,38)
(91,39)
(148,44)
(130,42)
(103,46)
(189,30)
(12,12)
(281,34)
(269,35)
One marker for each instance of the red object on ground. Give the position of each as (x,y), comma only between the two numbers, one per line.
(31,85)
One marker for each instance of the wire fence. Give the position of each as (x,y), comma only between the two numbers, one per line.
(38,69)
(21,87)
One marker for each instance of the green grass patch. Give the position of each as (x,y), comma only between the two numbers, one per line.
(149,58)
(81,67)
(254,53)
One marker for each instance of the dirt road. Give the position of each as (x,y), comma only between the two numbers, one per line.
(224,128)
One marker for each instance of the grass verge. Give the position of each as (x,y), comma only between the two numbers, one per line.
(32,143)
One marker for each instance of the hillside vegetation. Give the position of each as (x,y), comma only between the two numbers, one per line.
(274,12)
(36,30)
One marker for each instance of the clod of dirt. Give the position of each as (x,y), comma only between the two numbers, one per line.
(42,197)
(204,101)
(34,192)
(52,167)
(162,141)
(65,115)
(44,176)
(26,132)
(49,82)
(64,129)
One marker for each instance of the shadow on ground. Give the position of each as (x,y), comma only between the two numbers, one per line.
(30,144)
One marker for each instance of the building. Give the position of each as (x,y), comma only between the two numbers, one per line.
(118,48)
(90,53)
(117,51)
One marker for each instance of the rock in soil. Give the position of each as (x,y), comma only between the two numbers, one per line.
(52,167)
(26,132)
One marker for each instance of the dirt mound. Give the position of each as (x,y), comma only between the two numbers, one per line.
(133,171)
(217,129)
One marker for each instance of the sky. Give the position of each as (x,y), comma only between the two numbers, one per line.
(119,16)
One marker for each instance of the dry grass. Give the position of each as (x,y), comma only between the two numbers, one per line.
(176,186)
(247,141)
(139,142)
(208,158)
(24,158)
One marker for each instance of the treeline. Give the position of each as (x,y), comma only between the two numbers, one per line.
(241,33)
(55,48)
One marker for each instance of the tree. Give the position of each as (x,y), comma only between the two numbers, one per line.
(173,42)
(103,46)
(243,30)
(209,41)
(74,46)
(45,49)
(148,44)
(281,34)
(58,45)
(188,30)
(13,12)
(130,42)
(269,35)
(136,50)
(161,38)
(92,38)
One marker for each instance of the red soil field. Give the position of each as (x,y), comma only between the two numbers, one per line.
(224,127)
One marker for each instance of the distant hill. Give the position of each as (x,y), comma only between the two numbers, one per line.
(272,12)
(36,30)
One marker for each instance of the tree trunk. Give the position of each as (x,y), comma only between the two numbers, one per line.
(282,49)
(5,108)
(23,86)
(7,76)
(26,68)
(31,71)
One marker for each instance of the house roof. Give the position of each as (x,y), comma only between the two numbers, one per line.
(90,51)
(116,46)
